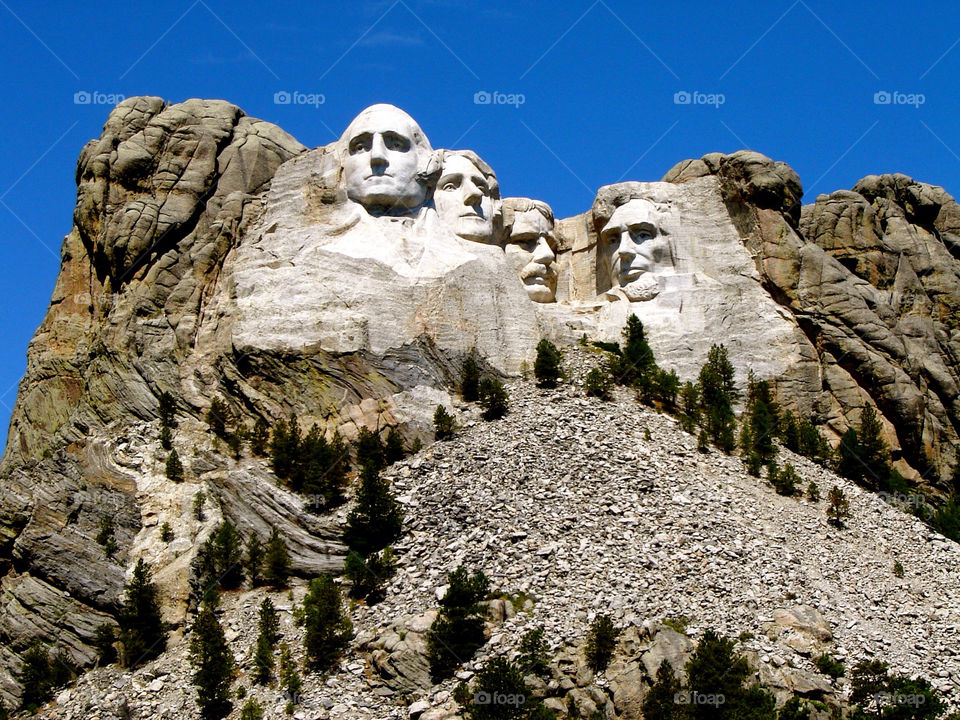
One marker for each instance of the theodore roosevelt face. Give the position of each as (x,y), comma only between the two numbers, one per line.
(533,246)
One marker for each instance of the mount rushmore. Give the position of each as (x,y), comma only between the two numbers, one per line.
(214,256)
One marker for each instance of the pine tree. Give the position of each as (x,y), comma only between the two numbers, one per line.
(289,677)
(470,379)
(874,451)
(838,507)
(849,453)
(254,560)
(370,449)
(762,419)
(212,664)
(260,437)
(534,659)
(168,410)
(174,467)
(217,417)
(546,367)
(601,641)
(251,710)
(166,438)
(635,362)
(276,561)
(790,431)
(493,399)
(142,634)
(35,676)
(198,501)
(666,386)
(327,629)
(376,520)
(660,702)
(717,396)
(314,461)
(443,424)
(285,447)
(263,661)
(689,407)
(457,631)
(394,449)
(268,622)
(105,643)
(369,575)
(220,560)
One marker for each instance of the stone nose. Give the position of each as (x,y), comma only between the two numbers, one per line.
(472,194)
(378,152)
(627,247)
(542,253)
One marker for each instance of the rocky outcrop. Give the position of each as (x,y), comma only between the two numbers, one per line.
(871,279)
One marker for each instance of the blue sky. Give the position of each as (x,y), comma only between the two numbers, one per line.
(600,82)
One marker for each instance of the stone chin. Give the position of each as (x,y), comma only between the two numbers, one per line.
(386,193)
(646,287)
(476,229)
(540,293)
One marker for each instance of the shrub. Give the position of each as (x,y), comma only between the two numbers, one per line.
(660,702)
(166,438)
(166,532)
(251,710)
(501,677)
(174,467)
(443,425)
(376,520)
(813,492)
(217,417)
(289,678)
(794,709)
(212,664)
(689,407)
(897,569)
(142,634)
(829,666)
(597,384)
(35,676)
(470,379)
(493,399)
(276,559)
(327,629)
(838,507)
(601,641)
(168,410)
(198,500)
(219,562)
(784,480)
(546,368)
(457,631)
(263,662)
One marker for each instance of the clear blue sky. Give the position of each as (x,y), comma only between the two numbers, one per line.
(599,80)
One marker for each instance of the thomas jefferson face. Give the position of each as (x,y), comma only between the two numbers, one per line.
(532,245)
(385,150)
(636,248)
(465,201)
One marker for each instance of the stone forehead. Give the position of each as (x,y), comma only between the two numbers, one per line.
(478,162)
(387,115)
(513,206)
(610,197)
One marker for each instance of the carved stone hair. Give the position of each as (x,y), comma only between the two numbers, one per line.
(515,205)
(488,174)
(610,197)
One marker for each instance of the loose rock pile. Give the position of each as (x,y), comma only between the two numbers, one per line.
(572,507)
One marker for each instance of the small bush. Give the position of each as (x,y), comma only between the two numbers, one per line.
(457,631)
(784,480)
(534,659)
(838,507)
(546,368)
(601,642)
(493,399)
(260,437)
(166,532)
(104,641)
(369,576)
(174,467)
(251,711)
(470,379)
(198,500)
(897,569)
(813,492)
(597,384)
(443,424)
(829,666)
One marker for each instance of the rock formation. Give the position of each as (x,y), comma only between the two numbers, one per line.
(214,256)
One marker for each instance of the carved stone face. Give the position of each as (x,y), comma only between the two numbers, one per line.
(384,148)
(636,248)
(464,200)
(533,246)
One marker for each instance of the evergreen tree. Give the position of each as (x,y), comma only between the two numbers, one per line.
(285,447)
(198,500)
(369,575)
(660,702)
(546,368)
(168,410)
(174,467)
(534,659)
(838,507)
(289,677)
(499,677)
(717,396)
(689,407)
(470,379)
(493,399)
(268,622)
(666,386)
(104,641)
(811,443)
(220,560)
(217,417)
(35,676)
(212,664)
(254,560)
(849,452)
(762,419)
(377,519)
(166,438)
(260,437)
(635,360)
(794,709)
(457,631)
(142,634)
(394,449)
(276,561)
(597,384)
(873,450)
(370,450)
(716,669)
(263,662)
(601,642)
(314,463)
(251,710)
(790,432)
(443,424)
(327,629)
